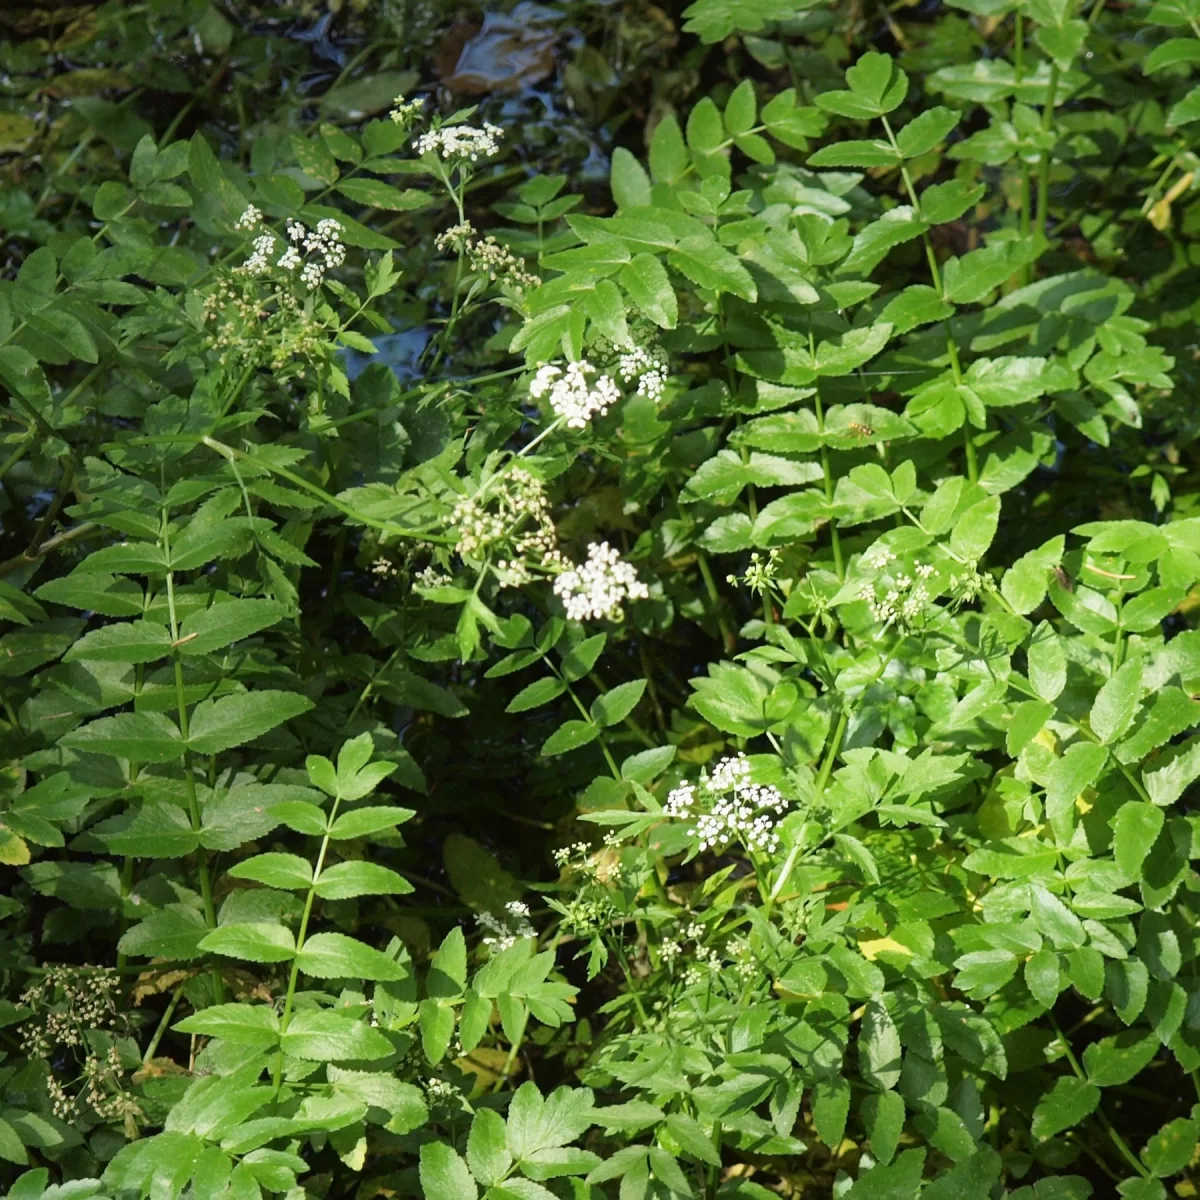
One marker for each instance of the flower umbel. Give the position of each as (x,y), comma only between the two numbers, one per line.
(571,395)
(726,807)
(596,589)
(461,143)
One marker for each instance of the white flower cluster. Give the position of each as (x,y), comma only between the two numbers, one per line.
(406,111)
(461,142)
(596,589)
(648,367)
(571,395)
(487,256)
(507,930)
(726,807)
(250,219)
(259,262)
(901,598)
(324,245)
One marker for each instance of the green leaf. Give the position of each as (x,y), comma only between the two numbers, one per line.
(1135,830)
(444,1175)
(709,265)
(647,284)
(487,1147)
(969,279)
(286,871)
(669,158)
(244,1024)
(926,130)
(895,227)
(336,956)
(569,736)
(581,657)
(1067,1103)
(540,692)
(230,721)
(253,941)
(1078,769)
(141,737)
(125,642)
(362,822)
(1116,1060)
(975,529)
(219,626)
(628,180)
(879,1046)
(705,130)
(376,194)
(1047,663)
(345,880)
(1173,772)
(1044,977)
(327,1037)
(108,595)
(436,1023)
(615,705)
(687,1132)
(173,933)
(877,86)
(883,1117)
(877,153)
(13,1149)
(1172,1147)
(830,1107)
(1116,702)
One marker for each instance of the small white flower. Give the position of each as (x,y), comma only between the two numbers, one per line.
(597,588)
(290,259)
(295,231)
(249,219)
(311,275)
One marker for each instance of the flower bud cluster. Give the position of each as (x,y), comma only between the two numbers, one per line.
(895,597)
(510,513)
(404,112)
(596,589)
(432,577)
(760,573)
(648,367)
(487,257)
(570,393)
(461,143)
(726,807)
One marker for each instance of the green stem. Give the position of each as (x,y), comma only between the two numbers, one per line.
(936,276)
(513,1051)
(834,538)
(1043,186)
(294,974)
(185,758)
(1117,1140)
(163,1023)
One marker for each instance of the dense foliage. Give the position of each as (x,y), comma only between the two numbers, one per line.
(635,639)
